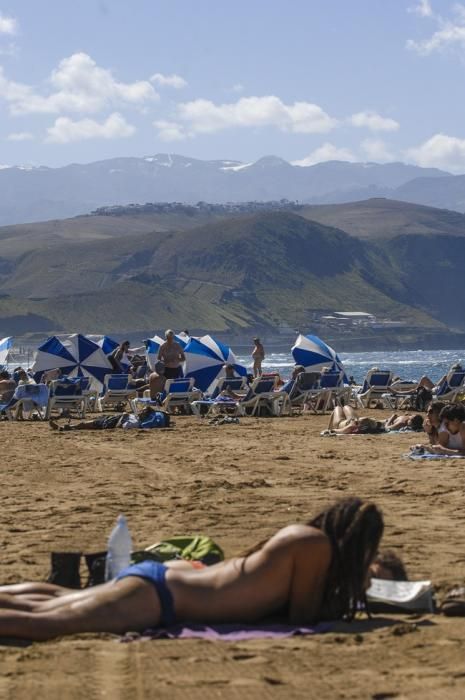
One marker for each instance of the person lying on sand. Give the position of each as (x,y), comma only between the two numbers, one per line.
(345,421)
(450,435)
(406,420)
(107,422)
(315,571)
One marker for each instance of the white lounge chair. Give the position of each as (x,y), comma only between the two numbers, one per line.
(66,395)
(116,391)
(180,393)
(376,384)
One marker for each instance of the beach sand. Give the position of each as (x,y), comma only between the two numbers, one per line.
(237,483)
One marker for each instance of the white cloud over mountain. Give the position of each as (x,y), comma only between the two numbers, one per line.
(440,151)
(174,81)
(80,85)
(373,121)
(66,130)
(376,150)
(327,151)
(204,116)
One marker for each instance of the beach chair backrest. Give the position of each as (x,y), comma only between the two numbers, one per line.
(179,386)
(307,381)
(116,382)
(263,386)
(379,378)
(60,387)
(456,379)
(330,380)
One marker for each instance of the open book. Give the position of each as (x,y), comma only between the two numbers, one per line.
(412,596)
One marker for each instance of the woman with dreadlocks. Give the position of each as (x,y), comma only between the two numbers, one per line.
(319,570)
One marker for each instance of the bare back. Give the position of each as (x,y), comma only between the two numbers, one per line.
(288,571)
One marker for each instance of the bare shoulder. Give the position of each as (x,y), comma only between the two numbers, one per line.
(299,535)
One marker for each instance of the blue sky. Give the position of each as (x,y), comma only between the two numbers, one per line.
(307,80)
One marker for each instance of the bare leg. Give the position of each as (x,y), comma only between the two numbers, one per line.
(350,413)
(129,604)
(336,417)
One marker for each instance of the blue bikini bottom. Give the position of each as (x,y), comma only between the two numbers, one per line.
(154,572)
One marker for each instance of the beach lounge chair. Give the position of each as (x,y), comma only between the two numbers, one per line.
(376,384)
(304,389)
(66,395)
(116,391)
(210,404)
(262,396)
(453,385)
(180,393)
(33,398)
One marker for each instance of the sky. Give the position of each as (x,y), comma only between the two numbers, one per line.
(306,80)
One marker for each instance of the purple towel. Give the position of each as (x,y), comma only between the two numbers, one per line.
(226,633)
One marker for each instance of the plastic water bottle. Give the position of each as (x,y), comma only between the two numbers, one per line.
(119,549)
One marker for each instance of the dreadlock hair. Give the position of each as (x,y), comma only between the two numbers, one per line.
(393,563)
(354,529)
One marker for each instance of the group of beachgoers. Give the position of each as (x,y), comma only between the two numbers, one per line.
(319,570)
(444,426)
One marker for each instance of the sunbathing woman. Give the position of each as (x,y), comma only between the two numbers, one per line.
(344,421)
(313,571)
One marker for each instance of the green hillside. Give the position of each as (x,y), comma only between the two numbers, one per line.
(378,218)
(248,271)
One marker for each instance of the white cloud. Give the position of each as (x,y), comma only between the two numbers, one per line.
(237,87)
(450,32)
(423,8)
(203,116)
(8,25)
(376,150)
(66,130)
(4,167)
(20,136)
(373,121)
(327,151)
(80,86)
(440,151)
(170,131)
(174,81)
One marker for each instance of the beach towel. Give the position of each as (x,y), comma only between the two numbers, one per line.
(227,632)
(413,455)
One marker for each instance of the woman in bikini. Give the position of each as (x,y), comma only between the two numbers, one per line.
(345,421)
(315,571)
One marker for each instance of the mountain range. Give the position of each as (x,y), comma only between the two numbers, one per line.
(29,194)
(205,271)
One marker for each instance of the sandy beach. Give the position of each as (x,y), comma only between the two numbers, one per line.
(237,483)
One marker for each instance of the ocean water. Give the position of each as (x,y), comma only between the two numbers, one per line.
(407,364)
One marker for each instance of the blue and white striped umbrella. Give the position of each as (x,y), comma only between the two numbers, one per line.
(152,346)
(313,353)
(5,345)
(205,358)
(75,355)
(108,345)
